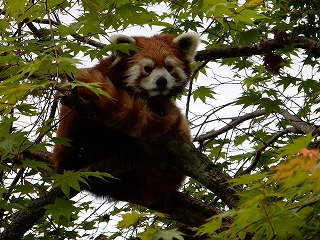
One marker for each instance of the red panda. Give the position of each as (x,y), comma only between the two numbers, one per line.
(141,88)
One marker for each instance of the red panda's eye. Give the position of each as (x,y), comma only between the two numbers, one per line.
(169,68)
(148,69)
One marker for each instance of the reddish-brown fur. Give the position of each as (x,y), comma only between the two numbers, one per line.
(139,121)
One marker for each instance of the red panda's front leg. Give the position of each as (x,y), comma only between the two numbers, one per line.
(130,114)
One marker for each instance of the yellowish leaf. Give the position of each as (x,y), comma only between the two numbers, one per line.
(131,219)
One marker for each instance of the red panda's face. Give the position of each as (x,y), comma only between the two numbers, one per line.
(162,64)
(162,77)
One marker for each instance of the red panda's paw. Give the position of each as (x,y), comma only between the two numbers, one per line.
(141,122)
(149,125)
(184,128)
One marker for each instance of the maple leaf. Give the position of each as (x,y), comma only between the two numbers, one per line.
(306,161)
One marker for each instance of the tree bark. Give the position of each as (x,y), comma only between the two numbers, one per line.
(24,220)
(195,164)
(308,44)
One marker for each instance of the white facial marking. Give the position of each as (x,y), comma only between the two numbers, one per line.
(181,73)
(169,62)
(133,73)
(172,62)
(147,65)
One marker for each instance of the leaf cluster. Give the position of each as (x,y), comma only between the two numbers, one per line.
(281,204)
(248,120)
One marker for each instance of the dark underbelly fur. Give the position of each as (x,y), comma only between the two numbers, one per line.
(127,158)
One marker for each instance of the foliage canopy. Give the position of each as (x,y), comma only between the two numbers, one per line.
(254,112)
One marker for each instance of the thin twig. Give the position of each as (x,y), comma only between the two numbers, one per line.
(231,125)
(195,72)
(258,153)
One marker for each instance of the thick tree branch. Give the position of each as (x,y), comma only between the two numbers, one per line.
(297,123)
(308,44)
(180,207)
(188,210)
(200,167)
(24,220)
(238,51)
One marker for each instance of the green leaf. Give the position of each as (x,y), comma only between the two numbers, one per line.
(34,164)
(149,233)
(168,234)
(52,3)
(94,87)
(203,93)
(131,219)
(27,109)
(25,188)
(68,180)
(88,225)
(297,144)
(68,65)
(240,139)
(270,105)
(122,47)
(4,24)
(14,7)
(249,98)
(61,207)
(61,141)
(248,16)
(210,227)
(247,178)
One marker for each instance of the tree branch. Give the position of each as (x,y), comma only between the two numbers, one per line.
(191,160)
(195,72)
(238,120)
(180,207)
(297,123)
(308,44)
(24,220)
(200,167)
(299,126)
(268,143)
(190,211)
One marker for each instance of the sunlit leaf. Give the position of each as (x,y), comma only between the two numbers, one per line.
(202,93)
(131,219)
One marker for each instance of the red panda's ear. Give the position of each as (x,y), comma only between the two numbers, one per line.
(187,43)
(119,38)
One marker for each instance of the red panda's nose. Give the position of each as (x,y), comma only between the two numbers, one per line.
(161,82)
